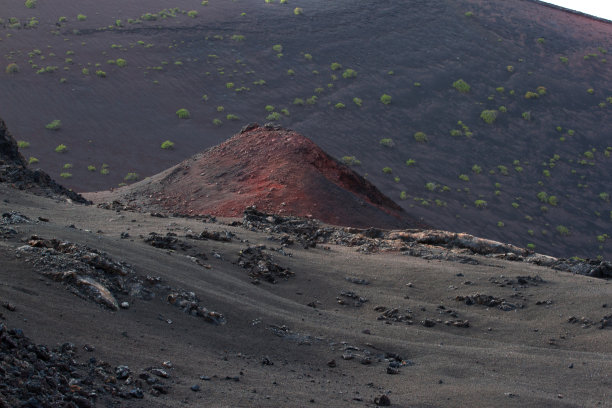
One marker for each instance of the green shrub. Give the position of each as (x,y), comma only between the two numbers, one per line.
(32,160)
(81,17)
(420,137)
(67,166)
(480,204)
(477,169)
(269,108)
(464,177)
(542,196)
(192,13)
(387,142)
(273,116)
(12,68)
(552,200)
(564,60)
(278,48)
(308,56)
(61,148)
(386,99)
(531,246)
(604,196)
(461,86)
(23,144)
(500,224)
(298,10)
(387,170)
(469,14)
(121,62)
(167,145)
(290,72)
(217,122)
(339,105)
(430,186)
(349,73)
(55,124)
(410,162)
(590,91)
(298,101)
(502,109)
(336,66)
(285,111)
(357,101)
(489,116)
(101,73)
(183,113)
(131,177)
(500,89)
(531,95)
(65,175)
(91,167)
(30,4)
(231,116)
(350,161)
(541,40)
(562,230)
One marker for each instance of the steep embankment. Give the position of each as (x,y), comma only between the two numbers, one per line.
(13,170)
(278,171)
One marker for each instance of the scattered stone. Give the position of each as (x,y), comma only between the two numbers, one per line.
(428,323)
(13,217)
(262,266)
(394,315)
(357,281)
(266,361)
(169,241)
(160,372)
(392,370)
(195,388)
(357,301)
(125,305)
(9,306)
(205,235)
(331,363)
(382,401)
(190,304)
(486,300)
(122,372)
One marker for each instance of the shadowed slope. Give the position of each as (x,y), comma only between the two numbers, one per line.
(274,169)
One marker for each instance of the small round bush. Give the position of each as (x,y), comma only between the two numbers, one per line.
(183,113)
(12,68)
(420,137)
(386,99)
(167,145)
(461,86)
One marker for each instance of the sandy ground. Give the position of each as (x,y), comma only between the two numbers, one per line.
(528,357)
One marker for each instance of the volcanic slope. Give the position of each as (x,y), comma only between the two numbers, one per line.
(274,169)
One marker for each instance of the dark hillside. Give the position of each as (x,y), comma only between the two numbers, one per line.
(544,73)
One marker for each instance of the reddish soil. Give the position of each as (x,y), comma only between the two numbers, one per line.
(275,170)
